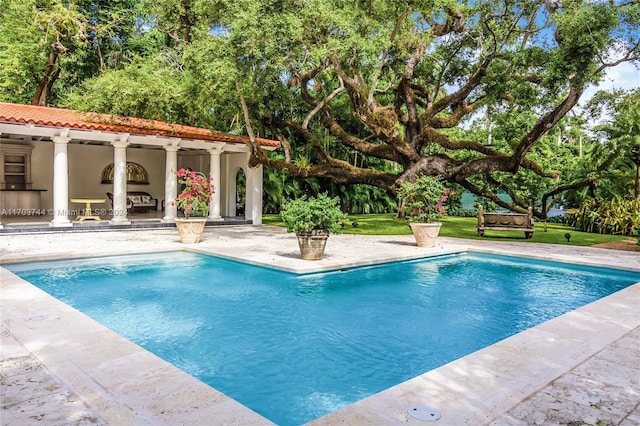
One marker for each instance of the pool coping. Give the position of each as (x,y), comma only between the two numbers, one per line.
(104,369)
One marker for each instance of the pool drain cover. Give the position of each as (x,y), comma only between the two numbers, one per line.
(421,412)
(35,318)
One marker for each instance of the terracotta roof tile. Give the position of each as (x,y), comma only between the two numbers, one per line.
(66,118)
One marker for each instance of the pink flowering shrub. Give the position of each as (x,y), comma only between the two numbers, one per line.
(194,198)
(423,200)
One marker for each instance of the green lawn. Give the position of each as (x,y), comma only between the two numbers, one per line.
(465,227)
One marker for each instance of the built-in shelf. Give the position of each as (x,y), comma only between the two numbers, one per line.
(15,166)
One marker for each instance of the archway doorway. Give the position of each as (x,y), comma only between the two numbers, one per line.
(241,192)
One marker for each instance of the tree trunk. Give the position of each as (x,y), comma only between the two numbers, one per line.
(43,88)
(635,158)
(637,188)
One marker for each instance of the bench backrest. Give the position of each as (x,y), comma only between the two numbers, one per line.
(510,220)
(131,194)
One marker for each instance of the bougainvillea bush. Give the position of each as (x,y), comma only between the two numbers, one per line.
(196,195)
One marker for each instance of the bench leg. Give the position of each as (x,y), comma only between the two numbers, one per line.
(528,235)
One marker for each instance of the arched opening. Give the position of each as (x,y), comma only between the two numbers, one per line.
(136,174)
(241,192)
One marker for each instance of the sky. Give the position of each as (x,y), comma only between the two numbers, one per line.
(624,76)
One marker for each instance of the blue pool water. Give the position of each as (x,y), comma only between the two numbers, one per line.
(296,347)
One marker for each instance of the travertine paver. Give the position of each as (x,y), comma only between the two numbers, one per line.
(532,378)
(603,390)
(31,395)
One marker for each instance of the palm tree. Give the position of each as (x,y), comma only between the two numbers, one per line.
(624,137)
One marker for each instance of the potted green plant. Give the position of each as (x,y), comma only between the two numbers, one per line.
(422,203)
(193,201)
(312,219)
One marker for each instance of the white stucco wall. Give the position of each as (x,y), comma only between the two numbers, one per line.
(193,161)
(253,208)
(86,163)
(230,165)
(42,172)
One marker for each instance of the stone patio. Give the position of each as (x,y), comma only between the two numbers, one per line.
(60,367)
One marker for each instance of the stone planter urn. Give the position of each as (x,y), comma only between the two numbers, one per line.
(191,229)
(425,234)
(312,220)
(312,244)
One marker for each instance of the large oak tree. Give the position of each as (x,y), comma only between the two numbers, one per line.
(401,81)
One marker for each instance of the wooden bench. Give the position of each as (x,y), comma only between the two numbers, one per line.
(138,201)
(506,222)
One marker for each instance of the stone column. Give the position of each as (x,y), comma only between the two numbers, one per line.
(60,182)
(214,172)
(170,183)
(253,208)
(120,182)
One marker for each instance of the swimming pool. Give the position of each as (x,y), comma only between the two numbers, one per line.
(296,347)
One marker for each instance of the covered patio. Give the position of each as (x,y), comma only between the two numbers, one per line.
(53,160)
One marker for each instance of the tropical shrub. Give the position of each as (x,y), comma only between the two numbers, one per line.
(616,216)
(304,215)
(558,219)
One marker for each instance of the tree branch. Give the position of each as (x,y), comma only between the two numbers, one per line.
(253,144)
(321,104)
(590,182)
(383,59)
(545,123)
(412,124)
(462,93)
